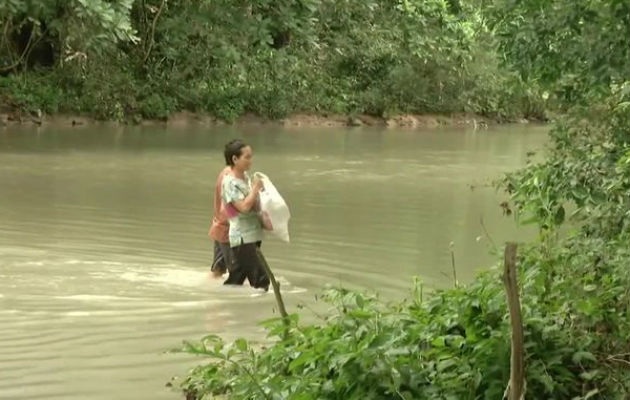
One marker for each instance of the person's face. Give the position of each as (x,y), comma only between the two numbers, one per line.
(244,162)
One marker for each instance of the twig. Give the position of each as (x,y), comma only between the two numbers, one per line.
(614,357)
(4,35)
(35,43)
(453,266)
(27,50)
(318,315)
(620,355)
(485,231)
(24,53)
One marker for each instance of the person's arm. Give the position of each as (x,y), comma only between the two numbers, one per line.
(246,204)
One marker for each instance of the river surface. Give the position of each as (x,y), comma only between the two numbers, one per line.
(104,254)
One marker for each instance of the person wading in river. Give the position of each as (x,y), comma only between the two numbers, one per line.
(240,200)
(219,231)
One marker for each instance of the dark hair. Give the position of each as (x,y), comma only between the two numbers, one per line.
(233,148)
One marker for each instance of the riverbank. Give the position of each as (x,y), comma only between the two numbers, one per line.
(456,343)
(188,119)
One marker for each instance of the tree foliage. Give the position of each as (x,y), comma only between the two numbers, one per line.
(272,58)
(50,32)
(575,48)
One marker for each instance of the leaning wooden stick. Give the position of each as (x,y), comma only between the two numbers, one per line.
(516,386)
(453,265)
(276,292)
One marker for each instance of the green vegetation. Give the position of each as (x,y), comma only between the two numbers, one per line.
(574,49)
(506,59)
(575,288)
(123,59)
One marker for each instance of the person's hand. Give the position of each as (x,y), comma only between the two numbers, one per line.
(257,185)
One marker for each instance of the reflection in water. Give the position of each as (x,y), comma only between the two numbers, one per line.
(104,259)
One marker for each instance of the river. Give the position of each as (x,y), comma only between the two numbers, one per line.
(104,254)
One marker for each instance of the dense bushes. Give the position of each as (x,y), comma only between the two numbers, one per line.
(118,59)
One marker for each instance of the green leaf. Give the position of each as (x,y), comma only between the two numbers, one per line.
(360,314)
(589,375)
(341,360)
(583,355)
(591,393)
(446,364)
(241,344)
(548,382)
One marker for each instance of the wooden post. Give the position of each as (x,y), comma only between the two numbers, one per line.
(516,386)
(276,292)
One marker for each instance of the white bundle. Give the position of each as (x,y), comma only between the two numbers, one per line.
(274,210)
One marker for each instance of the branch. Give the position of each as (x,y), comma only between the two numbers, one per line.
(276,292)
(318,315)
(615,357)
(485,231)
(24,53)
(152,33)
(5,35)
(453,266)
